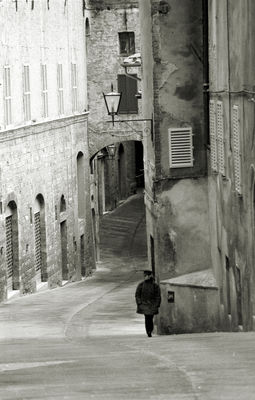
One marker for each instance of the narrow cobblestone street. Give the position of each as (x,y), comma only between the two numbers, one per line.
(85,340)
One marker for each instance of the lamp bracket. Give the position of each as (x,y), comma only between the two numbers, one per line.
(136,120)
(136,78)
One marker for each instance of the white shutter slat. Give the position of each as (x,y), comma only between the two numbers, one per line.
(220,139)
(180,147)
(213,136)
(237,149)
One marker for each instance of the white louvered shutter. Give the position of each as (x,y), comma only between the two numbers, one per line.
(26,92)
(237,149)
(7,96)
(213,136)
(44,90)
(220,139)
(180,147)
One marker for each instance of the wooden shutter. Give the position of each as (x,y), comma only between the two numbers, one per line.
(128,87)
(213,136)
(180,147)
(220,139)
(236,149)
(122,89)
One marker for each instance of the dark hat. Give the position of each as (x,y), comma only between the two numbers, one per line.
(147,271)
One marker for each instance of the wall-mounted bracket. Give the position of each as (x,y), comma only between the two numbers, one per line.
(125,66)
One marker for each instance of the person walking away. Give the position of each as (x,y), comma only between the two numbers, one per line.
(148,299)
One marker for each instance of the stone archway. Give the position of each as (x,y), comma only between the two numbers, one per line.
(100,139)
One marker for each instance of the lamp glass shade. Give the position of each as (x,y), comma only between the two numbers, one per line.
(112,101)
(111,150)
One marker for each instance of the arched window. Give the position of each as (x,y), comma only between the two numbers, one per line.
(12,246)
(62,204)
(40,240)
(87,27)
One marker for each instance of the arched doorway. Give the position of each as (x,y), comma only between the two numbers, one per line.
(40,254)
(139,167)
(81,185)
(12,246)
(122,172)
(63,238)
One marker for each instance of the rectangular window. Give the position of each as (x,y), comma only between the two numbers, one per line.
(74,87)
(220,138)
(7,96)
(237,149)
(128,87)
(127,43)
(60,89)
(213,136)
(44,90)
(180,147)
(26,93)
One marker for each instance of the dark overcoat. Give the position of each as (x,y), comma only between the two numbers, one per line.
(148,297)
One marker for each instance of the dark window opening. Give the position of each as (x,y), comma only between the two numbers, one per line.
(128,87)
(228,268)
(127,43)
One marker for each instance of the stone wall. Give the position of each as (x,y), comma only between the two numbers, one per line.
(41,160)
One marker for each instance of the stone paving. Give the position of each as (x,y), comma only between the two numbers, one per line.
(85,340)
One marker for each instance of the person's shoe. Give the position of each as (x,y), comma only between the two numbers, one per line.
(149,334)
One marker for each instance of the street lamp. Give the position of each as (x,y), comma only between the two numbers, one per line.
(112,102)
(111,150)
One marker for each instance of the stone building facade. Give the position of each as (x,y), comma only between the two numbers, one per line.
(45,220)
(112,32)
(231,175)
(176,185)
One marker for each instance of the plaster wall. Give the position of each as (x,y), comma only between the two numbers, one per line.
(231,214)
(195,309)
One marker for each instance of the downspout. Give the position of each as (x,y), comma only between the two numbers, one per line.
(205,70)
(229,79)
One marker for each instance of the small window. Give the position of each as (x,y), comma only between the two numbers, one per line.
(74,87)
(127,43)
(26,93)
(180,147)
(7,96)
(128,87)
(44,90)
(60,89)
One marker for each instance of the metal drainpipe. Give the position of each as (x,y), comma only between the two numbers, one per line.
(229,78)
(205,69)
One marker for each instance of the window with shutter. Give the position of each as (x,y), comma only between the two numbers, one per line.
(180,147)
(213,137)
(220,139)
(7,96)
(237,149)
(60,89)
(44,90)
(26,93)
(74,87)
(127,43)
(128,87)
